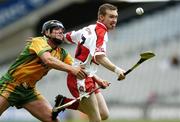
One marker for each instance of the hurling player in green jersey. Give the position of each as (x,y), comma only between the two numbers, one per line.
(40,55)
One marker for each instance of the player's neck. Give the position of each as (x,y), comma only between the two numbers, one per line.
(51,43)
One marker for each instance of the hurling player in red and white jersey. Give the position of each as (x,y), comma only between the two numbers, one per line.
(90,52)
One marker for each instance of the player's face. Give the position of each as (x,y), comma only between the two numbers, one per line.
(110,19)
(57,33)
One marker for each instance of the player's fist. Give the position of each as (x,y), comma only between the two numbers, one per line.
(104,84)
(121,77)
(120,72)
(100,82)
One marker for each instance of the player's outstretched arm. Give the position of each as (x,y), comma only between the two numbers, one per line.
(105,62)
(54,63)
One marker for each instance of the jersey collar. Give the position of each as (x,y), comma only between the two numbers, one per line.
(101,25)
(45,38)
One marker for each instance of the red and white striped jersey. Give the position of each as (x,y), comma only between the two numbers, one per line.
(91,41)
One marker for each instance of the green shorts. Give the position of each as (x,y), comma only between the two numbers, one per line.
(18,95)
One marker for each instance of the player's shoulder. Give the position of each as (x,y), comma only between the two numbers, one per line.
(40,38)
(89,30)
(91,26)
(30,40)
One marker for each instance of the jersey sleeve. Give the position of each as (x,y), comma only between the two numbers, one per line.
(100,43)
(39,46)
(72,37)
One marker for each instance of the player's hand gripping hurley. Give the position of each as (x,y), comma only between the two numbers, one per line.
(144,56)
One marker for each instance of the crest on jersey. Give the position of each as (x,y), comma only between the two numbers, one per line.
(81,89)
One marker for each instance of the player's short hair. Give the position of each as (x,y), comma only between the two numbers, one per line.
(104,7)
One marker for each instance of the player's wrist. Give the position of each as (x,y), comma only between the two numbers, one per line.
(71,70)
(117,70)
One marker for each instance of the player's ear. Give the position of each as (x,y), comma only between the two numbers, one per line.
(101,17)
(47,32)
